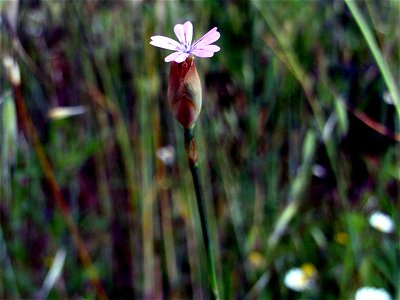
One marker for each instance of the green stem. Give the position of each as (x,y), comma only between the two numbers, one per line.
(191,154)
(373,46)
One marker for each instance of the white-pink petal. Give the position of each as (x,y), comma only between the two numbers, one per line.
(207,39)
(182,57)
(213,48)
(164,42)
(177,57)
(188,31)
(203,53)
(172,56)
(184,33)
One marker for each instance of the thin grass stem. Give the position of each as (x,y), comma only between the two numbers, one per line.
(191,153)
(377,54)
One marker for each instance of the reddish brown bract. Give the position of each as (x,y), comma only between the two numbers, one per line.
(184,92)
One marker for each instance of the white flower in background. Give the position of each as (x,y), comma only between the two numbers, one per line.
(371,293)
(381,222)
(301,279)
(166,154)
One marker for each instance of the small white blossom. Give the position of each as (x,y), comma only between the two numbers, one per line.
(371,293)
(381,222)
(301,279)
(166,154)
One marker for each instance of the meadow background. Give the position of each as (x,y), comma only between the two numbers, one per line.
(298,144)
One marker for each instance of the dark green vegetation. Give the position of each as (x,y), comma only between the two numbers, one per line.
(296,144)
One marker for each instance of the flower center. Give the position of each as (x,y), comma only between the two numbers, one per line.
(187,47)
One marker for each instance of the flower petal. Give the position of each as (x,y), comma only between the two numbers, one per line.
(164,42)
(202,53)
(182,57)
(177,57)
(184,33)
(188,28)
(207,39)
(180,33)
(213,48)
(172,56)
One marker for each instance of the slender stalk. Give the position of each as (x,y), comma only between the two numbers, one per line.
(191,154)
(377,54)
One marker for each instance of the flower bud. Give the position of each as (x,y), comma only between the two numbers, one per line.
(184,92)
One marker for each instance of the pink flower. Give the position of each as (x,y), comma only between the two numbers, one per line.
(201,48)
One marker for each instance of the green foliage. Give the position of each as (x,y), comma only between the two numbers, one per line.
(296,144)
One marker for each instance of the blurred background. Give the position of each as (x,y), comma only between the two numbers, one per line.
(298,145)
